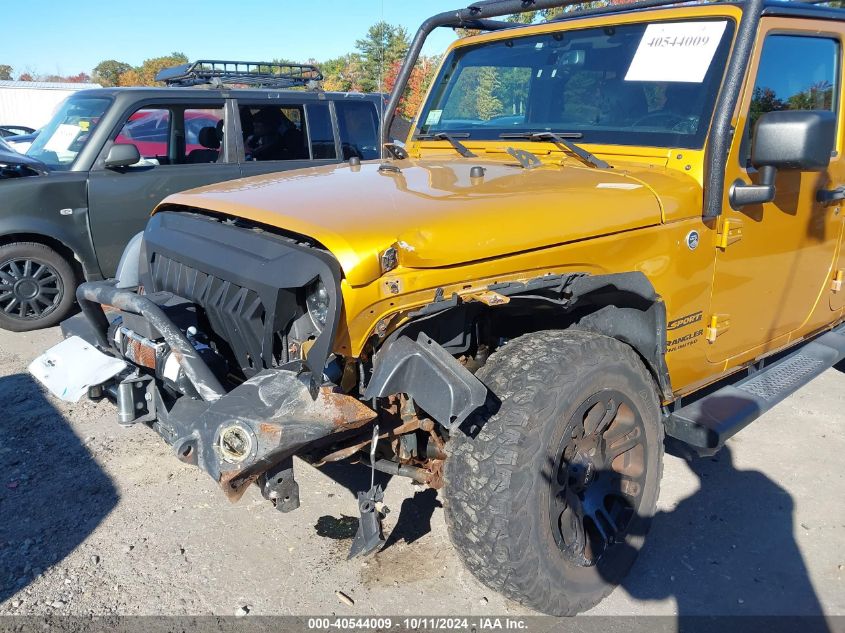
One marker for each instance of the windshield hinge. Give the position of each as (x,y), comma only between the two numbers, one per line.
(396,151)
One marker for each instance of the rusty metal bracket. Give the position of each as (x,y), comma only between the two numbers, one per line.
(275,417)
(279,486)
(256,427)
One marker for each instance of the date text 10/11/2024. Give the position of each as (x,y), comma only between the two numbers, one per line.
(418,623)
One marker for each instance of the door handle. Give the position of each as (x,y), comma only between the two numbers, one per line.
(827,196)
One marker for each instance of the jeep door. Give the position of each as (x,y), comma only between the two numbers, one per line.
(181,146)
(773,268)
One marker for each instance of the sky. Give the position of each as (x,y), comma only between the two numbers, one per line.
(66,38)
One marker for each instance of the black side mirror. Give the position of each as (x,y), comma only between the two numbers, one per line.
(799,140)
(122,155)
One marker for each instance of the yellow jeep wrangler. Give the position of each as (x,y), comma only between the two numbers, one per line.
(603,229)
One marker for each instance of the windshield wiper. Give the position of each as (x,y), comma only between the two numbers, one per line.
(453,141)
(561,140)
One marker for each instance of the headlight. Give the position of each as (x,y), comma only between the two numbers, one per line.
(317,302)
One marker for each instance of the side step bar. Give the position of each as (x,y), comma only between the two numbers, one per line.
(707,423)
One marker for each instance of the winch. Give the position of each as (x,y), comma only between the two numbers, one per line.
(139,343)
(157,356)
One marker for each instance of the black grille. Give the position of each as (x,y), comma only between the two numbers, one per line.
(235,314)
(248,284)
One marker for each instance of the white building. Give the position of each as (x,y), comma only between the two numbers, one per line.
(31,103)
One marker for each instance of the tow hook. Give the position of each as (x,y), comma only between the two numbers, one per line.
(370,535)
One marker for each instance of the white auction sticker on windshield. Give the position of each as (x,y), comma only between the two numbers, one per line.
(62,138)
(433,117)
(676,51)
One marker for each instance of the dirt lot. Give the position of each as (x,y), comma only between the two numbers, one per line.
(96,519)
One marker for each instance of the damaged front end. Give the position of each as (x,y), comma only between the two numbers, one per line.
(220,345)
(218,335)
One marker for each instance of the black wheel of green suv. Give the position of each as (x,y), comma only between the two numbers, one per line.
(549,498)
(37,286)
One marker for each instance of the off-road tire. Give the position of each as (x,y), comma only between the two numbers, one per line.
(50,276)
(497,474)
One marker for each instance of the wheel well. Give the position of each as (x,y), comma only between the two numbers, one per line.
(622,306)
(60,247)
(642,330)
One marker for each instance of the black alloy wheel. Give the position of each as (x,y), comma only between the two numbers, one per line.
(29,289)
(37,286)
(598,477)
(551,487)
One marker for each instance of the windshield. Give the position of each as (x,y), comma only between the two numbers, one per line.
(60,141)
(632,84)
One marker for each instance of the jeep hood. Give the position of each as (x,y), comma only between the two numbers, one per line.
(433,211)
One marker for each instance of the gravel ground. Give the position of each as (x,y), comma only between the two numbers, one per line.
(96,519)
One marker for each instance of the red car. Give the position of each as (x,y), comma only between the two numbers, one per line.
(148,130)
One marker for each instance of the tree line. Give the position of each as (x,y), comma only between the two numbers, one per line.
(372,67)
(7,73)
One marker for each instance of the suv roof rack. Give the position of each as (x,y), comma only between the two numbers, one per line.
(479,16)
(214,72)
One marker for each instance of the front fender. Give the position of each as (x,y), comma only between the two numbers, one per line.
(54,206)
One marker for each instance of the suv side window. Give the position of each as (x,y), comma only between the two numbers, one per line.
(148,129)
(358,124)
(203,135)
(322,133)
(796,72)
(274,132)
(173,135)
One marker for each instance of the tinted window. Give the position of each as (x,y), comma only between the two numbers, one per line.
(796,72)
(168,135)
(274,132)
(320,128)
(359,129)
(611,84)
